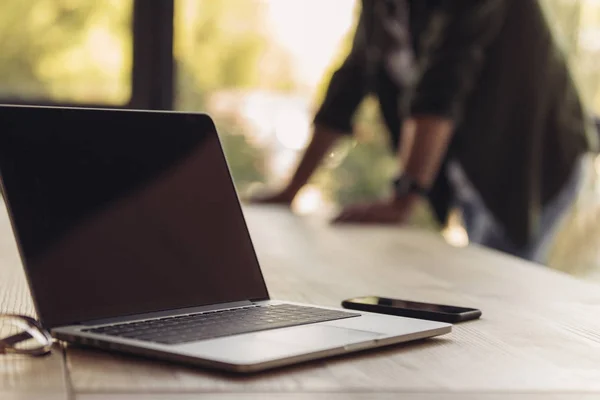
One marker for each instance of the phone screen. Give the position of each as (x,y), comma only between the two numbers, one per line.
(412,305)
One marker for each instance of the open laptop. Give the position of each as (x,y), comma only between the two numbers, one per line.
(133,240)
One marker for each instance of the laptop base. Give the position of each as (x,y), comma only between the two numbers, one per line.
(264,350)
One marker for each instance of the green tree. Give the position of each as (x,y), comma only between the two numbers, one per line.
(223,45)
(246,160)
(37,34)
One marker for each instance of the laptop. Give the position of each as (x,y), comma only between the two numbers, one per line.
(133,240)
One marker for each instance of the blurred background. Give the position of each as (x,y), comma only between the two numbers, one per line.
(259,67)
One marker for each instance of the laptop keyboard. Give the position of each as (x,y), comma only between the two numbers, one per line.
(214,324)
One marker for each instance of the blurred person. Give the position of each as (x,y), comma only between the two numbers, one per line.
(495,125)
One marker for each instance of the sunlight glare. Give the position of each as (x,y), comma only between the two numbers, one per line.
(308,201)
(292,129)
(312,30)
(454,233)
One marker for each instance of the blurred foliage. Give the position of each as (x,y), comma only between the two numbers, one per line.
(222,45)
(49,50)
(247,161)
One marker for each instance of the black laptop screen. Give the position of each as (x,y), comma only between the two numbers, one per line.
(122,212)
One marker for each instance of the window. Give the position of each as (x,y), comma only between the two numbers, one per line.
(66,51)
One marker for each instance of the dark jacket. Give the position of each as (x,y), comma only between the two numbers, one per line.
(494,67)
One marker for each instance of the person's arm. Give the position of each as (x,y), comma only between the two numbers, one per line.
(345,92)
(429,138)
(450,72)
(424,144)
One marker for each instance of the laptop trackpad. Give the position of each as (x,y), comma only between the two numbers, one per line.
(311,336)
(279,343)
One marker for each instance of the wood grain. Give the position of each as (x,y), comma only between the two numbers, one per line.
(21,376)
(540,332)
(29,395)
(337,396)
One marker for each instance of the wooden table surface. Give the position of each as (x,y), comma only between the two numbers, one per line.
(539,337)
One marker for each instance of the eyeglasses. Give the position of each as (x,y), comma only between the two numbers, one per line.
(20,334)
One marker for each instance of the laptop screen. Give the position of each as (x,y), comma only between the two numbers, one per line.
(123,212)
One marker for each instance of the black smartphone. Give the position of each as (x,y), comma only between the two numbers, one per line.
(412,309)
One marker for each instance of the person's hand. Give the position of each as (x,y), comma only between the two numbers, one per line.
(389,211)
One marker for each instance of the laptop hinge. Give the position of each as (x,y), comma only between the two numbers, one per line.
(168,313)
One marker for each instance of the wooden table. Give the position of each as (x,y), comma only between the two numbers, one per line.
(539,337)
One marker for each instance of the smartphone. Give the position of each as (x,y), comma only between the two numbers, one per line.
(412,309)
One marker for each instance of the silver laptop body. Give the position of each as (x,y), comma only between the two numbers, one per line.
(133,240)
